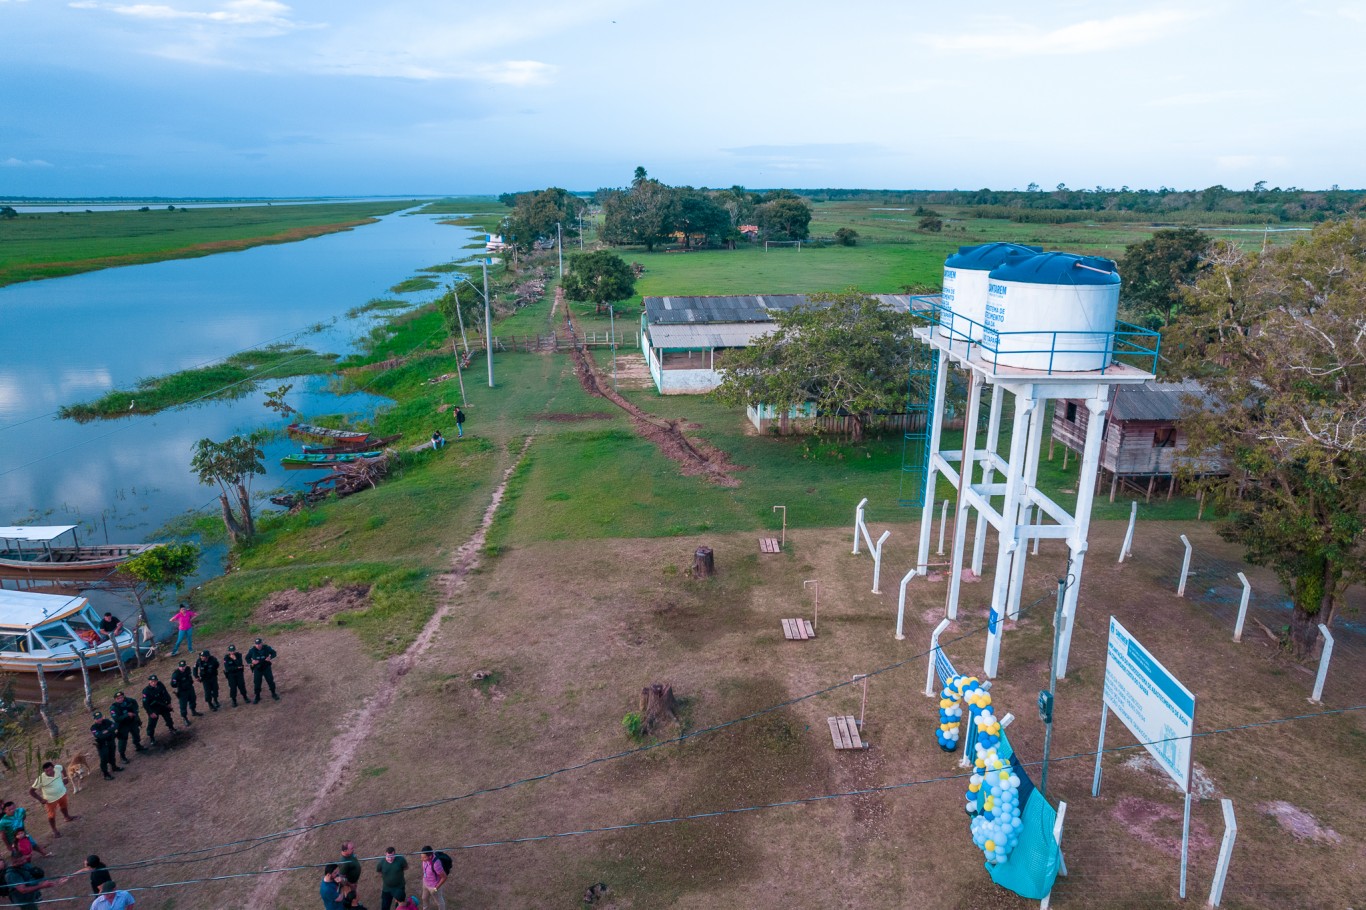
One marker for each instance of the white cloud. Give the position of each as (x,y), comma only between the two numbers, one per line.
(1080,38)
(16,162)
(516,72)
(233,13)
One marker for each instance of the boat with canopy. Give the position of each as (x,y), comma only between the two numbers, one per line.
(27,550)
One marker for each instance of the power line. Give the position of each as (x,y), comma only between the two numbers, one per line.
(741,810)
(168,858)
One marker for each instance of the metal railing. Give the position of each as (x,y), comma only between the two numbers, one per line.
(1126,344)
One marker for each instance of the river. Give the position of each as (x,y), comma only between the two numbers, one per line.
(72,339)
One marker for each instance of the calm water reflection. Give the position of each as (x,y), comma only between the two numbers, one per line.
(71,339)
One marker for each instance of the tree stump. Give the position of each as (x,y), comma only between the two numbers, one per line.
(703,563)
(658,706)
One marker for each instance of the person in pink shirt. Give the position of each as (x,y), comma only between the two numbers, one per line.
(434,875)
(184,623)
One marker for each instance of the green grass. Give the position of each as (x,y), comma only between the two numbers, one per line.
(378,305)
(411,285)
(49,244)
(231,378)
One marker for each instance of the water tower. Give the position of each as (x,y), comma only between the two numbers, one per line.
(1028,327)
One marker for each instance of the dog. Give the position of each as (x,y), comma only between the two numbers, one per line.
(77,769)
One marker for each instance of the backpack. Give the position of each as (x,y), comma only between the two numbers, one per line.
(445,860)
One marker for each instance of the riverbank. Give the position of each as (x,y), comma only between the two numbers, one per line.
(52,244)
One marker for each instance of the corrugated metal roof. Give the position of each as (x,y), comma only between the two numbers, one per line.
(694,337)
(695,310)
(25,608)
(35,533)
(1154,400)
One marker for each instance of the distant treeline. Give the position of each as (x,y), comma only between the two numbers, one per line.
(1216,204)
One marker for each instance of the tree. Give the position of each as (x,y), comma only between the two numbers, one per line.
(1280,339)
(7,211)
(646,213)
(153,573)
(231,465)
(931,222)
(601,276)
(1157,271)
(847,353)
(535,215)
(783,216)
(700,216)
(846,236)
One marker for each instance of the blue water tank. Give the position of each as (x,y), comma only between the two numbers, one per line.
(1052,311)
(965,286)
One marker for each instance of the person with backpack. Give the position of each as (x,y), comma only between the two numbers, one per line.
(459,422)
(25,882)
(436,868)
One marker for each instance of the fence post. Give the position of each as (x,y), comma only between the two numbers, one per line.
(1057,837)
(877,560)
(85,680)
(1242,608)
(42,706)
(931,689)
(1327,655)
(858,521)
(1185,568)
(1216,890)
(1037,522)
(943,523)
(901,603)
(1129,535)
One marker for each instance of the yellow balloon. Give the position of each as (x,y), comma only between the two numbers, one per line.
(990,846)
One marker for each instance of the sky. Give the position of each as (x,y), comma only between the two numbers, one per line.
(339,97)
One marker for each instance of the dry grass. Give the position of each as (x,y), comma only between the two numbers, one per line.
(574,629)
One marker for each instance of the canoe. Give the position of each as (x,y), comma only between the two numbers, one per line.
(305,429)
(29,550)
(322,461)
(346,448)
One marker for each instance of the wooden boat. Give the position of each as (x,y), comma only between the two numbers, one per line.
(33,550)
(305,429)
(57,631)
(349,447)
(322,461)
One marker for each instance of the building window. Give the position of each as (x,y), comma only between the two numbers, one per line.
(1164,439)
(1071,414)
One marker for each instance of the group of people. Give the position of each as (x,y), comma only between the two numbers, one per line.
(112,733)
(339,889)
(439,441)
(23,880)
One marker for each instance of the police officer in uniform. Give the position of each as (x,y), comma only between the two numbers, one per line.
(156,700)
(182,683)
(124,713)
(236,672)
(206,671)
(103,731)
(260,657)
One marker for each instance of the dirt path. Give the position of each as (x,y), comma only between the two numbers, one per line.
(693,455)
(364,720)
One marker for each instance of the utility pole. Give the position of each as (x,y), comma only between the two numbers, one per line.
(559,245)
(488,322)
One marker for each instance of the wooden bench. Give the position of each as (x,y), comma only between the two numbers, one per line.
(798,630)
(844,733)
(769,545)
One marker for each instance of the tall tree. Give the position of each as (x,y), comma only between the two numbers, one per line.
(647,213)
(700,217)
(1280,339)
(1158,271)
(846,352)
(535,215)
(601,276)
(230,465)
(784,216)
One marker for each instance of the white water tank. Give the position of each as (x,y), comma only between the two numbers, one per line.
(1053,312)
(965,286)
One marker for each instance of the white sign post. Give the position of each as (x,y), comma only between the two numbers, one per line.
(1157,709)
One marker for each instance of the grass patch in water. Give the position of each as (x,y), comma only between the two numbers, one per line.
(231,378)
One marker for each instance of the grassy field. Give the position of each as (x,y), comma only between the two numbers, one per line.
(49,244)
